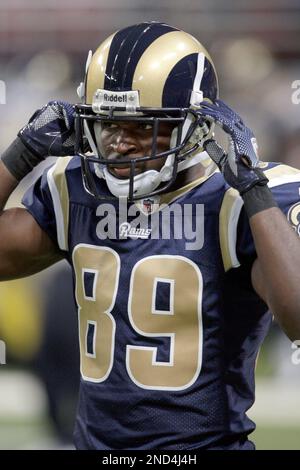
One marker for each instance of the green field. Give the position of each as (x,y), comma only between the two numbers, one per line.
(38,435)
(266,438)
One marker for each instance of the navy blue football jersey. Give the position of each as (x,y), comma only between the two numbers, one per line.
(169,324)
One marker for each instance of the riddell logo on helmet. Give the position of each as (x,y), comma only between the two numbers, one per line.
(115,98)
(121,99)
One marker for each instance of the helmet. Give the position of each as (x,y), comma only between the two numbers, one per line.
(151,73)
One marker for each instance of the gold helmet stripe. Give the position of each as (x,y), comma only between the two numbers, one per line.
(96,72)
(157,71)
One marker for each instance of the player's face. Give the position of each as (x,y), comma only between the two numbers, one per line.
(127,140)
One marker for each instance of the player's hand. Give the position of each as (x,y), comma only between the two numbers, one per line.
(239,165)
(50,131)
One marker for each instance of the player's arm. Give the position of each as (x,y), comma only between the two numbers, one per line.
(24,247)
(276,272)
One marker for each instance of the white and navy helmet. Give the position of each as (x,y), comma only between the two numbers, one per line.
(149,72)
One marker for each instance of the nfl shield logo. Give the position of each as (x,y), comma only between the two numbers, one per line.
(148,205)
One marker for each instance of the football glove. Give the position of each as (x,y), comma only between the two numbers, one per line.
(239,165)
(50,131)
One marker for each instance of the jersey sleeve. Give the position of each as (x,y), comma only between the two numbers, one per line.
(47,200)
(236,241)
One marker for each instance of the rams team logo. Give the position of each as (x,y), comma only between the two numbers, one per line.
(294,217)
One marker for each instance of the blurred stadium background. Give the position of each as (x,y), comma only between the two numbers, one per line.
(255,45)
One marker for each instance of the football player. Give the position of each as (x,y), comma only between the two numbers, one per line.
(170,318)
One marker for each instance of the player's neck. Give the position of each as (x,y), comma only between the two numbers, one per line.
(187,176)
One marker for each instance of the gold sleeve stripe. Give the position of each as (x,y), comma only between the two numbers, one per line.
(60,196)
(231,208)
(159,70)
(228,221)
(282,174)
(280,170)
(95,80)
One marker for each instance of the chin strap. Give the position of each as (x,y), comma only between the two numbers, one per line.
(143,183)
(149,180)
